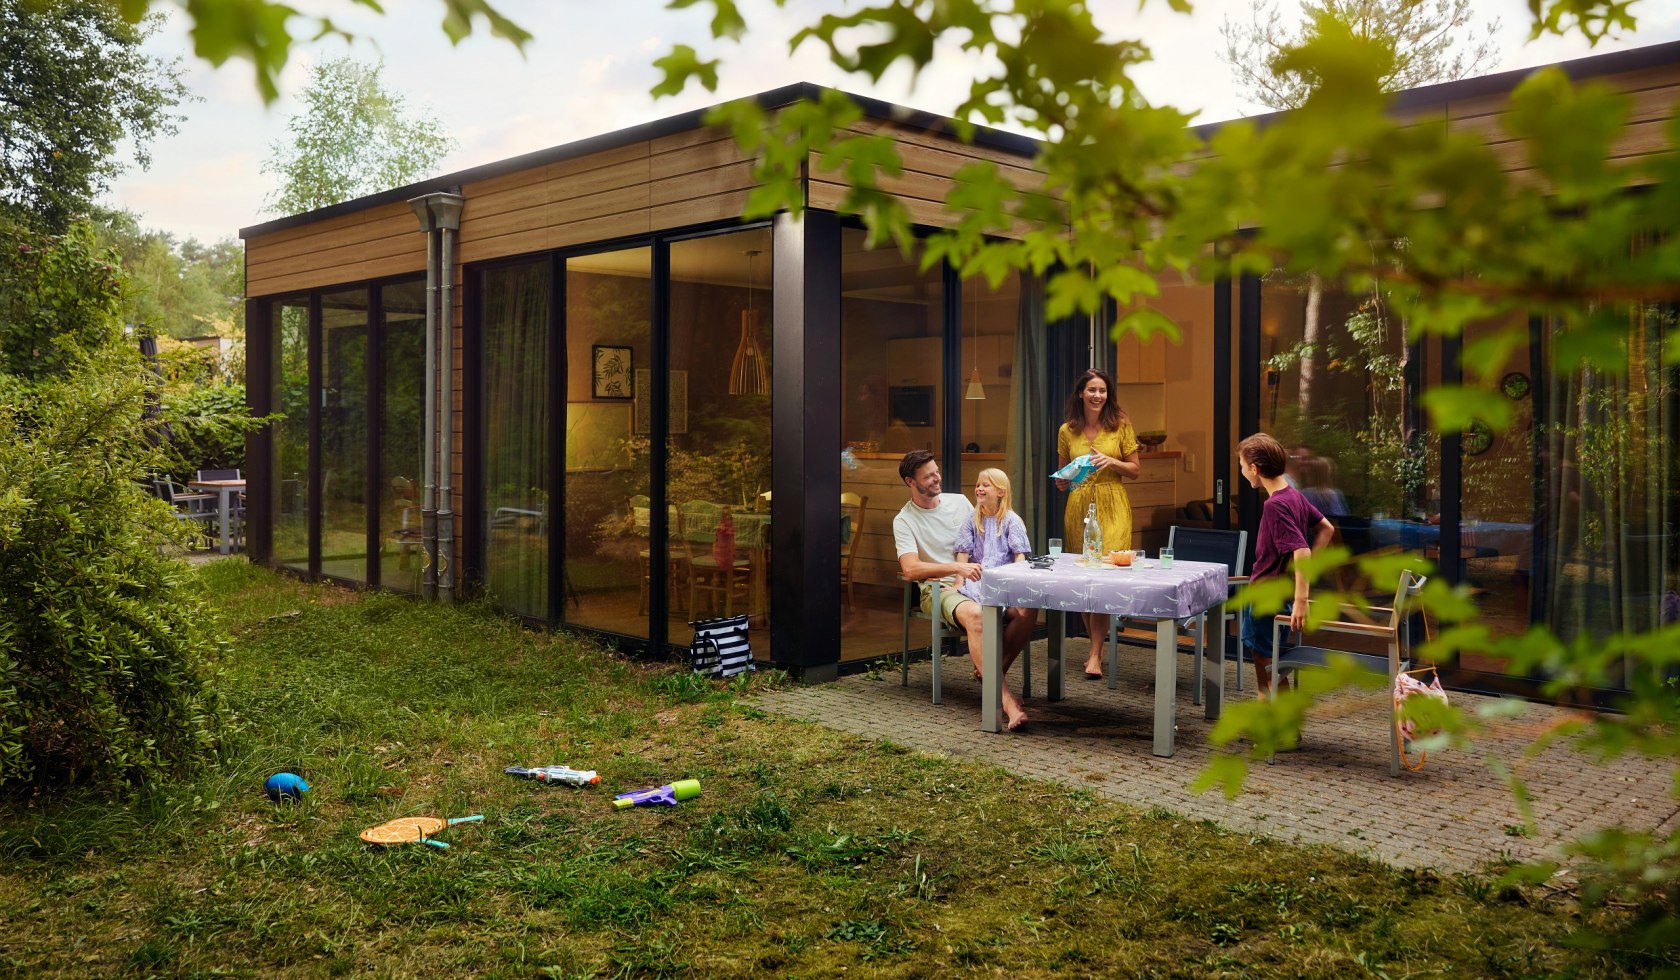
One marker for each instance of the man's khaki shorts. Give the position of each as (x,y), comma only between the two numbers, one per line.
(949,600)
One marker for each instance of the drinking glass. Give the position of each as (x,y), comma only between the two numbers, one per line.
(1166,557)
(1055,546)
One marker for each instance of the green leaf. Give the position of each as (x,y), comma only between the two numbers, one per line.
(1145,322)
(1452,408)
(679,66)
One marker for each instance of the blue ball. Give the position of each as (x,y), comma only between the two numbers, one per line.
(285,786)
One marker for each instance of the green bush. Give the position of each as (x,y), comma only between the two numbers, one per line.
(106,655)
(198,441)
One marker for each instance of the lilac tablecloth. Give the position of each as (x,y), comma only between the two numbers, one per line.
(1146,592)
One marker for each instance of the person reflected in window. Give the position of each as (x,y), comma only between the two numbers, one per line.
(1315,485)
(1097,425)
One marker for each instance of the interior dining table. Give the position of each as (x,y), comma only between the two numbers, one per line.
(225,491)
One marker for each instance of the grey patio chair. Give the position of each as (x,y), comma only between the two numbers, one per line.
(1216,546)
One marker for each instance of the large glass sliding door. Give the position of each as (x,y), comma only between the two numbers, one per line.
(344,434)
(1341,389)
(402,361)
(611,565)
(718,444)
(893,380)
(1607,480)
(289,503)
(514,322)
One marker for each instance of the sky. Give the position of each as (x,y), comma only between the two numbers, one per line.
(590,66)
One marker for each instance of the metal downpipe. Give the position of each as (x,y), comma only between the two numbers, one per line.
(446,510)
(428,429)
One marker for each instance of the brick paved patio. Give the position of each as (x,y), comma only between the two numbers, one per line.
(1455,814)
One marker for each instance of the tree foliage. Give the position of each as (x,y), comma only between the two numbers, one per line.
(177,288)
(105,653)
(353,137)
(1433,41)
(262,31)
(74,85)
(1449,230)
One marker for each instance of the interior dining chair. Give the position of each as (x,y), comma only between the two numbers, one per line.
(641,519)
(852,505)
(719,583)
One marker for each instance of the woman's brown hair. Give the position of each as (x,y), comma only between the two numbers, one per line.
(1111,415)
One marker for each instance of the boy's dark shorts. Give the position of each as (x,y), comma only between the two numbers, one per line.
(1257,633)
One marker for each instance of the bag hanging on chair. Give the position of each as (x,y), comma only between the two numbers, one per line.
(720,647)
(1408,686)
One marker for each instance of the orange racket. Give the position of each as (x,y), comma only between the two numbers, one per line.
(410,830)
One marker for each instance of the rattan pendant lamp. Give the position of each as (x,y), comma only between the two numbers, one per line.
(747,374)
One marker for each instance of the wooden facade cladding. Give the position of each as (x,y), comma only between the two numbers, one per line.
(930,159)
(688,178)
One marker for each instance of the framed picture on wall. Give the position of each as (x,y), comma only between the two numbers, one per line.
(610,371)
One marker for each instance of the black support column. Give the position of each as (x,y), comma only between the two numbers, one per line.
(260,365)
(1249,392)
(805,447)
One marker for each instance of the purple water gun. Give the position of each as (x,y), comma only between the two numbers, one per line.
(668,795)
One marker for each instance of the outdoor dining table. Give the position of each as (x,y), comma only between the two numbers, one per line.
(1139,591)
(224,490)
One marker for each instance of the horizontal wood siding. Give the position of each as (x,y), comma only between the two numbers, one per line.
(380,241)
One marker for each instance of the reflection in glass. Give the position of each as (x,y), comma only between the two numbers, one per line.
(290,505)
(1609,489)
(344,434)
(514,315)
(892,359)
(1339,391)
(609,310)
(718,468)
(402,368)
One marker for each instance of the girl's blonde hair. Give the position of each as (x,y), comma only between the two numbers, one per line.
(999,479)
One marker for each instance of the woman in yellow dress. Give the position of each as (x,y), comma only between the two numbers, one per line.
(1096,424)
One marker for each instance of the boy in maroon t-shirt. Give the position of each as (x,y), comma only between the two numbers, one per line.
(1288,522)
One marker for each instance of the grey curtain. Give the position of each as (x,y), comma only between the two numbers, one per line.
(1103,351)
(516,436)
(1032,424)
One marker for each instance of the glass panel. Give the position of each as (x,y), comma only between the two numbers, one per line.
(515,317)
(344,434)
(291,434)
(1609,490)
(718,470)
(402,370)
(1339,392)
(609,316)
(1496,537)
(892,355)
(1166,390)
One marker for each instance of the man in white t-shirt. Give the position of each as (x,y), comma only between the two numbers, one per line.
(925,535)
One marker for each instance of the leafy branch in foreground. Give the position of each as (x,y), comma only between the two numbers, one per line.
(1450,230)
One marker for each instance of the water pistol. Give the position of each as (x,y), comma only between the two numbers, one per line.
(555,774)
(668,795)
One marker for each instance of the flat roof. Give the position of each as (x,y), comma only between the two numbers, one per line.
(1592,66)
(996,139)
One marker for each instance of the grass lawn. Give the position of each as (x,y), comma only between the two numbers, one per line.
(810,853)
